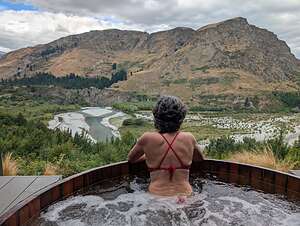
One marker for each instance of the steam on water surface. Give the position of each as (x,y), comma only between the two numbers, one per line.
(213,203)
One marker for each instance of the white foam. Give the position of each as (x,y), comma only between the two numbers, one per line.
(211,207)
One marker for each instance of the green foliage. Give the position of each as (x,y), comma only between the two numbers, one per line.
(119,76)
(226,80)
(290,99)
(203,69)
(126,107)
(131,107)
(18,102)
(221,147)
(278,146)
(180,81)
(134,121)
(293,156)
(207,108)
(34,145)
(70,81)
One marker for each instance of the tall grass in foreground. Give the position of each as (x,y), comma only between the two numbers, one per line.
(274,153)
(50,169)
(9,165)
(264,158)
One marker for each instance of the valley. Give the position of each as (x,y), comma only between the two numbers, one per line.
(82,101)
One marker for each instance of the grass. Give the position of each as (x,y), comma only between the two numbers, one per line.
(50,169)
(132,107)
(203,132)
(117,121)
(9,165)
(137,131)
(264,158)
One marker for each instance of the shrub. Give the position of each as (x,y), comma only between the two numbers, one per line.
(134,121)
(278,146)
(126,107)
(221,147)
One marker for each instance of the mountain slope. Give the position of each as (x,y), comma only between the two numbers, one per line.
(227,58)
(1,54)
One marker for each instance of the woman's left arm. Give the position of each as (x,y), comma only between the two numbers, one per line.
(137,154)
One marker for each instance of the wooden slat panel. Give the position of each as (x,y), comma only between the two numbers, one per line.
(38,184)
(12,190)
(4,180)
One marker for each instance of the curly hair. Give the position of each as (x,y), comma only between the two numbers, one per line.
(169,113)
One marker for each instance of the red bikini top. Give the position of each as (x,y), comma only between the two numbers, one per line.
(171,168)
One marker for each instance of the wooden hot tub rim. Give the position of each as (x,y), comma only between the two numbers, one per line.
(259,178)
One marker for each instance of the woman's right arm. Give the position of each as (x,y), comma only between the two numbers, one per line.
(197,156)
(137,152)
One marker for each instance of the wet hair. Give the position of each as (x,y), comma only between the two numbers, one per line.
(169,113)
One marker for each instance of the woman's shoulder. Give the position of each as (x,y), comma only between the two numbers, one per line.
(187,135)
(155,135)
(148,136)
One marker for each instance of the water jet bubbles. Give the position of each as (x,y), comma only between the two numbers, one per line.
(213,203)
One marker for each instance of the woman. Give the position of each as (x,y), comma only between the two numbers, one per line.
(168,152)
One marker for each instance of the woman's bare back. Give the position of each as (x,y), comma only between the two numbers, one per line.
(154,147)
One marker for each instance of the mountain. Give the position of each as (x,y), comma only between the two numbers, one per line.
(226,58)
(1,54)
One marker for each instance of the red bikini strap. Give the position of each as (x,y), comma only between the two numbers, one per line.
(169,147)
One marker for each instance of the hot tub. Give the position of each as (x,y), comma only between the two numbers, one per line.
(225,193)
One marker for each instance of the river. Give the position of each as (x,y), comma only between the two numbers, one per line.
(93,121)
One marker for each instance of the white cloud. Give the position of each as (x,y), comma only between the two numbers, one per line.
(26,28)
(281,17)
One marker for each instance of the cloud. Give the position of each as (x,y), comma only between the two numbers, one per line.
(26,28)
(281,17)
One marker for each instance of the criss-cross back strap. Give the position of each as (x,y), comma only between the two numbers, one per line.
(170,148)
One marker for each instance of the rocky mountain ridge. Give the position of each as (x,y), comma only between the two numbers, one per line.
(229,57)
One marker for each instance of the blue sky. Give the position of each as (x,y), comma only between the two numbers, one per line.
(5,5)
(30,22)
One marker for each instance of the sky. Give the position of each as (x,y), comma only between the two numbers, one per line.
(31,22)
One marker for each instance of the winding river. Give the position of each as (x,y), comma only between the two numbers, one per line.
(92,121)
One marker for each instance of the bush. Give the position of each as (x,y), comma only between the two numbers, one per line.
(290,99)
(278,146)
(134,121)
(221,147)
(125,107)
(293,157)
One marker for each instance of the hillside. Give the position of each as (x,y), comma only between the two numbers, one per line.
(230,58)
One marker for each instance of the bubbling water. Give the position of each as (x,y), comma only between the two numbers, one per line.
(213,203)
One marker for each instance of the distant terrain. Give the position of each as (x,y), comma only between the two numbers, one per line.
(231,64)
(1,54)
(240,82)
